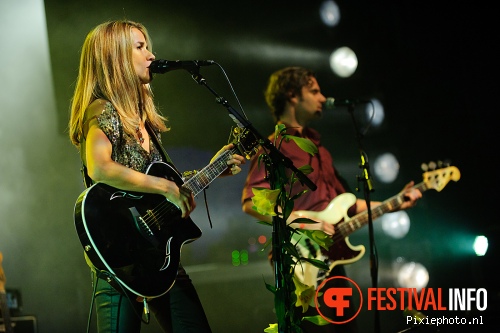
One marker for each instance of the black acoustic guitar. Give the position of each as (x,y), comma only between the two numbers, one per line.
(137,237)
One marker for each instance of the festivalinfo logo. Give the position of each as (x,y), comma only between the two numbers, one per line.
(409,300)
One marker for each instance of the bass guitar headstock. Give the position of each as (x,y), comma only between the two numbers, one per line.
(437,179)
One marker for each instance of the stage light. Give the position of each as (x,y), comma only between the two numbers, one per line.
(329,13)
(480,245)
(235,258)
(239,257)
(396,224)
(343,61)
(262,239)
(386,167)
(374,113)
(413,275)
(244,257)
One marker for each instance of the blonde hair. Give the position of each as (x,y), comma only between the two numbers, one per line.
(107,72)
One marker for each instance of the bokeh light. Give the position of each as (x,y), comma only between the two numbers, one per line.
(343,62)
(386,167)
(329,13)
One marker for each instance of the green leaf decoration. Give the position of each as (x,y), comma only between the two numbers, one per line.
(318,320)
(291,250)
(279,203)
(270,288)
(306,169)
(265,223)
(304,220)
(315,262)
(305,144)
(279,130)
(320,237)
(273,328)
(298,195)
(268,242)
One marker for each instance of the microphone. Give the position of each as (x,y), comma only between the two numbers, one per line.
(331,103)
(161,66)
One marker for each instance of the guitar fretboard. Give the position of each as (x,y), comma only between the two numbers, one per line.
(348,227)
(209,173)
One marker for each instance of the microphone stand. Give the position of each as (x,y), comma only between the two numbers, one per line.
(367,188)
(275,162)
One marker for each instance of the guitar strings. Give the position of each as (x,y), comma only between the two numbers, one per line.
(345,228)
(155,215)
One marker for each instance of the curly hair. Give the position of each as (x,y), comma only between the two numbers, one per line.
(284,84)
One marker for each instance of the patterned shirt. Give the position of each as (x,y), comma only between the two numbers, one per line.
(126,149)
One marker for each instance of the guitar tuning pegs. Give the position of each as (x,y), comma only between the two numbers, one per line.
(446,163)
(428,166)
(435,165)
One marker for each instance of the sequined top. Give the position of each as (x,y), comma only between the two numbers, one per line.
(126,148)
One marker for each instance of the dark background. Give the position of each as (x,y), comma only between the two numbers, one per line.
(432,66)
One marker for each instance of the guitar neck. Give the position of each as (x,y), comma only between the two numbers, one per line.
(208,174)
(389,205)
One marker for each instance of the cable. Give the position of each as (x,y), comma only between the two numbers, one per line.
(94,282)
(108,277)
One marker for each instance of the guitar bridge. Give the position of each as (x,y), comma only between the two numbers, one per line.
(153,218)
(143,227)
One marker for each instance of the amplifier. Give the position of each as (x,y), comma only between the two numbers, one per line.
(23,324)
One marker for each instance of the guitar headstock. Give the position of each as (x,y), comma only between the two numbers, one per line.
(245,141)
(439,178)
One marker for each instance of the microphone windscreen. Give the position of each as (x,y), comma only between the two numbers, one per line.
(329,104)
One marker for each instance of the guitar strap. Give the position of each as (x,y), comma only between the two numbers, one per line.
(158,144)
(87,181)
